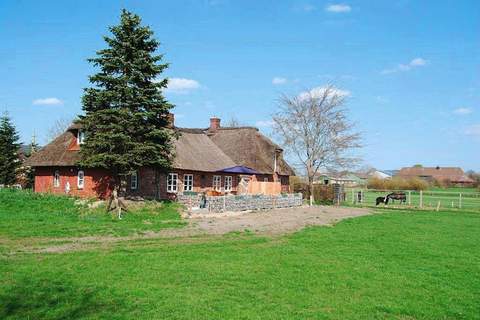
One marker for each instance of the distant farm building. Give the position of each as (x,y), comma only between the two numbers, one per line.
(452,175)
(348,179)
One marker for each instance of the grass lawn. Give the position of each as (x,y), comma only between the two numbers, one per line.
(448,198)
(392,265)
(26,214)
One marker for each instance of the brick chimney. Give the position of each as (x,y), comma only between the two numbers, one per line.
(171,120)
(214,124)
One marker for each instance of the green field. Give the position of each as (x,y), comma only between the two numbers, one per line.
(448,198)
(26,214)
(395,264)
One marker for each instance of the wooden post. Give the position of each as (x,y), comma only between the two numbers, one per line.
(421,199)
(353,196)
(460,201)
(438,206)
(409,198)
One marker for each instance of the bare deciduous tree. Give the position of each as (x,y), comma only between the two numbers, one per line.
(234,122)
(58,127)
(314,127)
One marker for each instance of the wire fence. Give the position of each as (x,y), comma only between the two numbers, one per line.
(435,200)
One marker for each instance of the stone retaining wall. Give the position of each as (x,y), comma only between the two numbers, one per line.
(242,202)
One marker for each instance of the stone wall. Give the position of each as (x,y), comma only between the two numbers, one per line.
(242,202)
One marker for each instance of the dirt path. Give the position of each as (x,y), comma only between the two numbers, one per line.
(278,221)
(273,222)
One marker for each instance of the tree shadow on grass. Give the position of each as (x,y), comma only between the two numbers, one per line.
(55,299)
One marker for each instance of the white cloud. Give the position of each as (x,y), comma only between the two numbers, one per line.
(462,111)
(279,80)
(473,130)
(320,91)
(418,62)
(182,85)
(415,63)
(264,123)
(47,102)
(338,8)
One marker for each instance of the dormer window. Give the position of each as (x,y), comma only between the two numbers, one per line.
(80,137)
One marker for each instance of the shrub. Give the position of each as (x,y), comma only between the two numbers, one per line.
(323,193)
(397,183)
(376,183)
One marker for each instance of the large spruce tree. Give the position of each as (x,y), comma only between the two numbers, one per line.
(126,115)
(9,147)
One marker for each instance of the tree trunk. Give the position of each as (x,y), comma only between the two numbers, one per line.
(116,186)
(310,190)
(115,202)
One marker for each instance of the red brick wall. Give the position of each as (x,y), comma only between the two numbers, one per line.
(96,181)
(202,181)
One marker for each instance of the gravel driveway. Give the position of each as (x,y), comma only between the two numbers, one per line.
(277,221)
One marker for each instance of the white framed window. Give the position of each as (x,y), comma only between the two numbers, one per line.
(56,179)
(80,137)
(228,183)
(172,182)
(80,179)
(134,181)
(188,182)
(217,183)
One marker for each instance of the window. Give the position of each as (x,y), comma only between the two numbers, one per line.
(217,183)
(265,179)
(134,181)
(56,179)
(228,183)
(80,137)
(80,179)
(172,181)
(188,182)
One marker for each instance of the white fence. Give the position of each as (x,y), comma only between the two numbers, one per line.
(420,199)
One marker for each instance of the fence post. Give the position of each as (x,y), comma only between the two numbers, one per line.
(353,196)
(409,198)
(460,201)
(421,199)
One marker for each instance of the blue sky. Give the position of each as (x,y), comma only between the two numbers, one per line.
(411,68)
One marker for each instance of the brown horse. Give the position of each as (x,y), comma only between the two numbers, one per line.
(401,196)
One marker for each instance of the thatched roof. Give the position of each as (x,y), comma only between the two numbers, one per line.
(195,149)
(56,153)
(246,146)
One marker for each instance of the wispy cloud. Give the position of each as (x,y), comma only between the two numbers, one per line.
(318,92)
(47,102)
(462,111)
(415,63)
(279,80)
(264,123)
(338,8)
(473,130)
(182,85)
